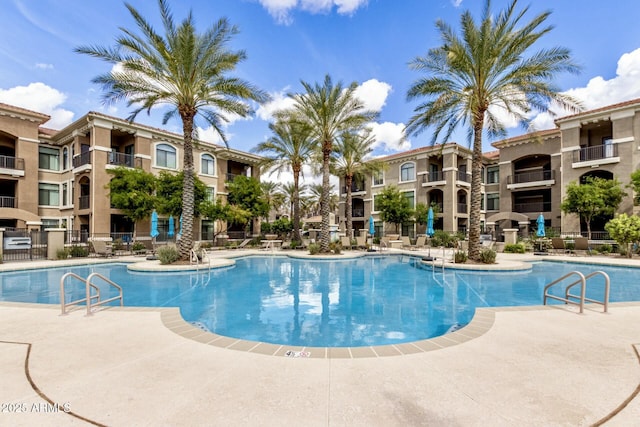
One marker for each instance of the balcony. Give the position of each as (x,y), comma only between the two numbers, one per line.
(357,213)
(462,208)
(595,156)
(531,179)
(532,207)
(13,166)
(433,178)
(8,202)
(84,202)
(82,161)
(122,159)
(356,187)
(463,176)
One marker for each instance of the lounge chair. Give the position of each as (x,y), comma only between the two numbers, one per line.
(361,241)
(582,244)
(345,241)
(406,242)
(421,241)
(102,248)
(558,246)
(244,243)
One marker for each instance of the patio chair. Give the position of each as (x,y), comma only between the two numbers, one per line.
(345,241)
(242,244)
(558,245)
(421,242)
(582,244)
(102,248)
(406,242)
(361,241)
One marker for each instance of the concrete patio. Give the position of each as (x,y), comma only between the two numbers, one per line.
(528,366)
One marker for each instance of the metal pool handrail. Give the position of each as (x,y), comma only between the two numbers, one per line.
(583,288)
(88,297)
(99,303)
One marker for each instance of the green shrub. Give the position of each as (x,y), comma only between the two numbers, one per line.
(460,257)
(168,254)
(63,253)
(442,238)
(138,246)
(78,251)
(604,249)
(294,244)
(335,247)
(314,248)
(488,256)
(206,245)
(117,245)
(516,248)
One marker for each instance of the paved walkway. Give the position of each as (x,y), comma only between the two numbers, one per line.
(533,366)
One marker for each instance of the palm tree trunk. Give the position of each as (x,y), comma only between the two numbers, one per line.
(476,188)
(296,204)
(348,180)
(324,198)
(186,240)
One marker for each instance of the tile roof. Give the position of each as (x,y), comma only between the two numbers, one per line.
(21,110)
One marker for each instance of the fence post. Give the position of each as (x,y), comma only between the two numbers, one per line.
(55,241)
(1,244)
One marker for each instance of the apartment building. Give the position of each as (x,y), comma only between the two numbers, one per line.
(52,178)
(526,176)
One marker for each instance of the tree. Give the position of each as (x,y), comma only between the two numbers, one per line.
(635,185)
(596,197)
(485,70)
(184,70)
(133,192)
(220,211)
(272,195)
(246,193)
(394,206)
(625,229)
(170,198)
(290,147)
(350,160)
(329,109)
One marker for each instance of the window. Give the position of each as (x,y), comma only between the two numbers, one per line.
(375,207)
(165,156)
(378,178)
(210,194)
(411,197)
(493,201)
(65,194)
(408,172)
(49,158)
(65,158)
(208,165)
(49,223)
(493,175)
(48,194)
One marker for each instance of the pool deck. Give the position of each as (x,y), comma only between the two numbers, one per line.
(528,366)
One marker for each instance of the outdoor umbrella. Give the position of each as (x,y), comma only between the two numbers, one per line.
(372,229)
(430,230)
(171,226)
(540,222)
(154,224)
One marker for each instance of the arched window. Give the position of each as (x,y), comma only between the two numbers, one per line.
(165,156)
(408,171)
(207,164)
(65,158)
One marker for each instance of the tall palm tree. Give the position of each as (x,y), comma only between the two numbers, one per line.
(351,161)
(184,70)
(289,192)
(290,147)
(329,109)
(486,69)
(271,193)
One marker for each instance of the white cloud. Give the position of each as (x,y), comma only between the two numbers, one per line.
(456,3)
(41,98)
(390,136)
(43,66)
(373,94)
(279,101)
(208,134)
(281,9)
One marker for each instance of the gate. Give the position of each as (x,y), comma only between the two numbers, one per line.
(21,244)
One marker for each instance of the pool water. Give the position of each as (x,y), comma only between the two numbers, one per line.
(355,302)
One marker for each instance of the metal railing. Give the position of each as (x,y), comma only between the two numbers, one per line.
(84,202)
(356,187)
(532,207)
(82,159)
(462,208)
(123,159)
(88,286)
(433,176)
(524,177)
(8,202)
(597,152)
(463,176)
(357,213)
(8,162)
(579,300)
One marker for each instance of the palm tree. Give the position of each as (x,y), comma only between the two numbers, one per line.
(329,110)
(485,69)
(291,146)
(271,193)
(289,191)
(185,70)
(350,161)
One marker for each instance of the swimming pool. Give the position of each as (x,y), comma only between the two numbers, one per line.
(338,303)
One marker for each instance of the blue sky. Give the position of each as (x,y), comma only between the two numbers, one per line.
(369,42)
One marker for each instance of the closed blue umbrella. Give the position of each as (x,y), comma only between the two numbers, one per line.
(154,224)
(430,230)
(171,226)
(540,222)
(372,228)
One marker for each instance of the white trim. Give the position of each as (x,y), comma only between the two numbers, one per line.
(142,156)
(59,194)
(99,148)
(415,167)
(622,140)
(143,134)
(155,157)
(570,125)
(616,115)
(505,162)
(449,169)
(99,123)
(22,138)
(215,165)
(546,183)
(555,154)
(595,163)
(567,149)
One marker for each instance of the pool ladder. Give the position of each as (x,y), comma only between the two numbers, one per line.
(579,300)
(91,300)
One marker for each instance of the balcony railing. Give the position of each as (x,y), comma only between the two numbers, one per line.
(356,187)
(122,159)
(433,176)
(84,202)
(7,202)
(8,162)
(524,177)
(532,207)
(82,159)
(462,208)
(463,176)
(357,213)
(597,152)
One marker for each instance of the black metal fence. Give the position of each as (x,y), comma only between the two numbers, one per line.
(24,245)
